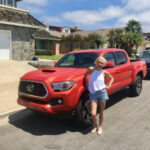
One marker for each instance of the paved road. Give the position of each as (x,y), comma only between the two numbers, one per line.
(126,127)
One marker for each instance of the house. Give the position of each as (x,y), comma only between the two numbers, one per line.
(45,40)
(17,27)
(65,29)
(12,3)
(50,39)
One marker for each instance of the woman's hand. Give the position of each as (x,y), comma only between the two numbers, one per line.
(108,86)
(107,74)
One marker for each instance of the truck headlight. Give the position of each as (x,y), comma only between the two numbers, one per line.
(63,86)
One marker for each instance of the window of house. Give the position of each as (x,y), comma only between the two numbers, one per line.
(10,2)
(66,31)
(40,44)
(121,58)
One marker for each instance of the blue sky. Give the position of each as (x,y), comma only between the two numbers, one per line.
(89,14)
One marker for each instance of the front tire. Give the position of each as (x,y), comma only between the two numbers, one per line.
(83,116)
(136,88)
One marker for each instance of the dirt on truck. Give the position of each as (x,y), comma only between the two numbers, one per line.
(61,88)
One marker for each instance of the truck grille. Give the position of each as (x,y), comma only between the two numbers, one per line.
(33,88)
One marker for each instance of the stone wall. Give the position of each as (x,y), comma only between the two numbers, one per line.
(22,43)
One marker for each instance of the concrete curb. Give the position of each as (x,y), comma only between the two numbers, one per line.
(5,114)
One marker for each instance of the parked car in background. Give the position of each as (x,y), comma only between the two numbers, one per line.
(61,88)
(145,55)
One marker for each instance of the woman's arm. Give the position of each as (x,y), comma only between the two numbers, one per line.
(107,74)
(88,72)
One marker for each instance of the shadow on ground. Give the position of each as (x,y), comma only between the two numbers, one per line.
(39,124)
(147,76)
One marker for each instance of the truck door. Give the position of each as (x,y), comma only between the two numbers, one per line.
(123,70)
(110,57)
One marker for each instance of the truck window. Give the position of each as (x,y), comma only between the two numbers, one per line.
(78,60)
(110,57)
(121,58)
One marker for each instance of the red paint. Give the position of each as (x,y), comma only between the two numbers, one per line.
(124,75)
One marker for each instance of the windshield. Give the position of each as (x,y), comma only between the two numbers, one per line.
(78,60)
(145,54)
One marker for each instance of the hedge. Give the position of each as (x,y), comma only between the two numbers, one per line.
(43,52)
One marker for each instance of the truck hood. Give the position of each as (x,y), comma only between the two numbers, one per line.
(55,74)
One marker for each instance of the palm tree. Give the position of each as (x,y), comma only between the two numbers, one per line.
(133,26)
(132,40)
(115,38)
(119,38)
(111,39)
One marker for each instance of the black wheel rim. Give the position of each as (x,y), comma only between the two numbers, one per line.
(86,113)
(138,86)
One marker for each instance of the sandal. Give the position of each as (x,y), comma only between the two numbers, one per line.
(94,130)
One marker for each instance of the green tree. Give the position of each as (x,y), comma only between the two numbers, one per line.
(128,39)
(133,26)
(111,39)
(133,37)
(115,38)
(132,40)
(95,38)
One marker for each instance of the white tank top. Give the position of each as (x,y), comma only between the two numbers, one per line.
(97,81)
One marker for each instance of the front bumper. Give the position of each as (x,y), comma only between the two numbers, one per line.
(45,108)
(47,103)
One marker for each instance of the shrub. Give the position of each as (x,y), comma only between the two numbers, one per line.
(43,52)
(76,49)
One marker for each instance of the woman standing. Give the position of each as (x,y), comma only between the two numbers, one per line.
(98,93)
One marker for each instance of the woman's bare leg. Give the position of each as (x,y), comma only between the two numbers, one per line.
(93,113)
(101,114)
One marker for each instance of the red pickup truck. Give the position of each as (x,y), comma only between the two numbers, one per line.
(61,88)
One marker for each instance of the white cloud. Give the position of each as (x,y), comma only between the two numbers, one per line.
(141,16)
(82,17)
(130,9)
(88,18)
(111,12)
(137,5)
(51,19)
(33,6)
(36,2)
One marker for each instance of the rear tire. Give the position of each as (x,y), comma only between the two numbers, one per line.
(82,115)
(136,88)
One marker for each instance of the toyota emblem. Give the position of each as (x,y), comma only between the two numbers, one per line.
(30,87)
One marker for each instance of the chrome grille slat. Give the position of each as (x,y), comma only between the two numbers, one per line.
(33,88)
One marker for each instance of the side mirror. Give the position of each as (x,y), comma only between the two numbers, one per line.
(109,64)
(55,62)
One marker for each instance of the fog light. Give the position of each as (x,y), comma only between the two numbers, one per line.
(48,105)
(59,101)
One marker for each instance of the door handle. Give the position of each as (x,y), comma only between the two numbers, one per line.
(117,71)
(129,68)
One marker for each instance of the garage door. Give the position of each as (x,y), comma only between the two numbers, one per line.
(4,45)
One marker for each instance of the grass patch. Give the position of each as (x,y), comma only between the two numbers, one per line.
(52,57)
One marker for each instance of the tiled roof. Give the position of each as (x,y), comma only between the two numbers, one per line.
(18,17)
(43,34)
